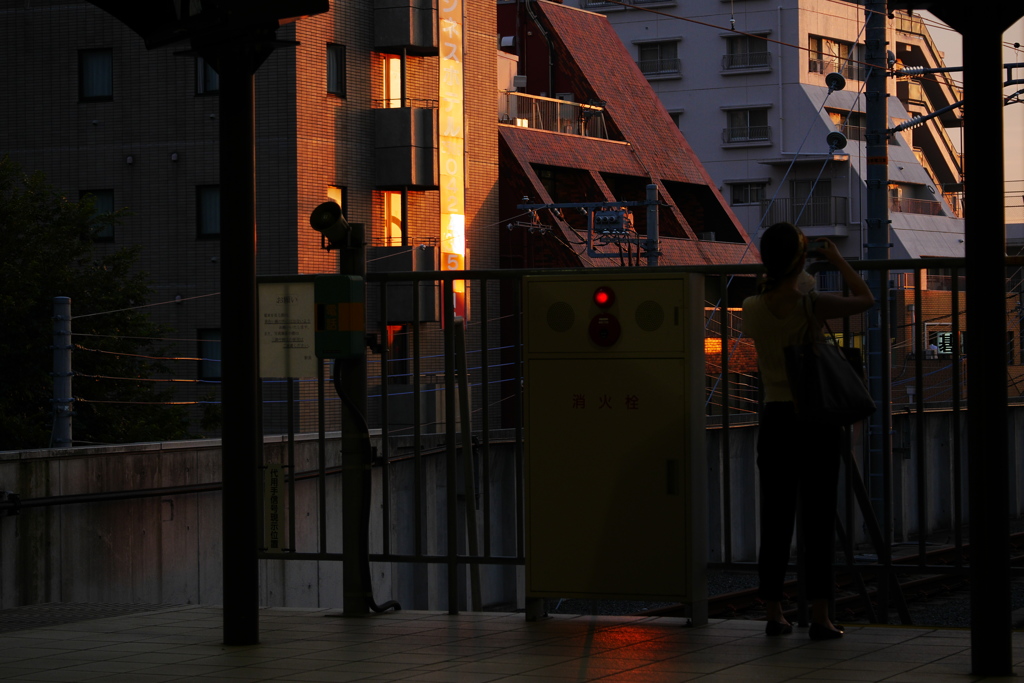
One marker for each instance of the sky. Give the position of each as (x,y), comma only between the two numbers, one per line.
(949,41)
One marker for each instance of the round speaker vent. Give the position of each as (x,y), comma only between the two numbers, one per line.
(650,316)
(561,316)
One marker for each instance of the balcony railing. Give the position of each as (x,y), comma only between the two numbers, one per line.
(604,5)
(557,116)
(747,134)
(849,69)
(815,211)
(747,60)
(669,66)
(400,103)
(926,207)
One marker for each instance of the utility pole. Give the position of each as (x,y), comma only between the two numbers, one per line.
(879,461)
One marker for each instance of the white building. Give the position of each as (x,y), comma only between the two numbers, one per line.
(746,80)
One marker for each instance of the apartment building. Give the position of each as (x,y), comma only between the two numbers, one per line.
(351,113)
(747,83)
(583,125)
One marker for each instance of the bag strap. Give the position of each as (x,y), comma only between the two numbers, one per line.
(811,320)
(812,323)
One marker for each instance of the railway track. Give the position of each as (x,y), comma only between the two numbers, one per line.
(943,571)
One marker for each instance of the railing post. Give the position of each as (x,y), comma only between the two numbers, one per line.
(62,399)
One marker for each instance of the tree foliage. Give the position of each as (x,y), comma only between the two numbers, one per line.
(47,250)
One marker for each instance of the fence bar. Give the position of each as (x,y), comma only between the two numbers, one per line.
(485,415)
(919,430)
(321,456)
(468,475)
(291,464)
(448,302)
(958,534)
(385,437)
(417,445)
(726,447)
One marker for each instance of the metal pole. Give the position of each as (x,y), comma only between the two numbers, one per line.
(987,440)
(653,236)
(878,245)
(242,436)
(62,399)
(355,456)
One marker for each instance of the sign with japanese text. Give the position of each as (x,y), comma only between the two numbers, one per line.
(286,330)
(273,531)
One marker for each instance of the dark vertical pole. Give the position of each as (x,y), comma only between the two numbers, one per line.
(878,244)
(355,455)
(242,436)
(726,445)
(987,444)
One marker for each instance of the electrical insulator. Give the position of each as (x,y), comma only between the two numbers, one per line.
(609,222)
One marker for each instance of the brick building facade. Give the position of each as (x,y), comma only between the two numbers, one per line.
(98,113)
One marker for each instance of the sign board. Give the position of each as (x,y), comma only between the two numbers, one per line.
(273,527)
(286,329)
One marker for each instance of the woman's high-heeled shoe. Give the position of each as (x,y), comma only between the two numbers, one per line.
(776,628)
(819,632)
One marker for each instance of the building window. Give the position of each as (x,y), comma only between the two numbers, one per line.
(812,202)
(339,195)
(392,77)
(675,116)
(207,78)
(748,193)
(850,123)
(393,223)
(95,75)
(102,203)
(209,353)
(828,55)
(746,52)
(748,125)
(337,83)
(1011,357)
(658,59)
(208,210)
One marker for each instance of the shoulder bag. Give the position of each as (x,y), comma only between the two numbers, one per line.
(827,380)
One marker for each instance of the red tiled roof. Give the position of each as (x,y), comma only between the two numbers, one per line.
(630,101)
(651,147)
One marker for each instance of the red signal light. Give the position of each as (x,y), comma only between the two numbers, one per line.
(604,297)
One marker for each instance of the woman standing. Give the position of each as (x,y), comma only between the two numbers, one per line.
(792,453)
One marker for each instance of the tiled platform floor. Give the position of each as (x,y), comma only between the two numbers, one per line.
(184,644)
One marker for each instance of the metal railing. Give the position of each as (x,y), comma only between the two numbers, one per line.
(400,103)
(461,465)
(546,113)
(665,66)
(746,60)
(603,4)
(926,207)
(814,211)
(847,67)
(734,134)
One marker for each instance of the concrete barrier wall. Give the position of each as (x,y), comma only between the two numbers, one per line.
(167,548)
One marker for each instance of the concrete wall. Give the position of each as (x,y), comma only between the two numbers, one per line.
(167,548)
